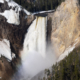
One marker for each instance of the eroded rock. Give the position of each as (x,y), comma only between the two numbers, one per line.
(65,25)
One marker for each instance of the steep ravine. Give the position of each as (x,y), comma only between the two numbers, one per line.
(65,25)
(62,31)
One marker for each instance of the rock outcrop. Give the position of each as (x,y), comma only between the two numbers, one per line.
(65,25)
(15,34)
(6,69)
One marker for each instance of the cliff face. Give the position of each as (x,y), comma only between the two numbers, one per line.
(65,25)
(14,33)
(6,70)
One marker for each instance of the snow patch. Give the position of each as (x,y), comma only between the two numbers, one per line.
(43,12)
(5,49)
(11,16)
(28,13)
(18,7)
(1,1)
(13,4)
(13,56)
(7,0)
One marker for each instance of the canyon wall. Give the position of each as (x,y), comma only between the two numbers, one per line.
(65,25)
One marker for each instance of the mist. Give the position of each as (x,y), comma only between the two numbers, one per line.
(33,64)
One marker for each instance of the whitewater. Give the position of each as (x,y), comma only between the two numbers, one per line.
(35,39)
(35,58)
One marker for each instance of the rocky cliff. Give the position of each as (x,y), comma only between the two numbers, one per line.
(65,25)
(12,32)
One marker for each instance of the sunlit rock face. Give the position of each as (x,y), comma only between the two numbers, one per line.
(65,25)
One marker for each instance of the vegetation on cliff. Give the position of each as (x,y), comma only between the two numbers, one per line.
(67,69)
(39,5)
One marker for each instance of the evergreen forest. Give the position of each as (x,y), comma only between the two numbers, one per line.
(39,5)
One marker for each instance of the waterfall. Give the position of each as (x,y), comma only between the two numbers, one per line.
(35,38)
(34,56)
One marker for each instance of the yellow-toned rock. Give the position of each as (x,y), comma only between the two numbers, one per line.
(65,25)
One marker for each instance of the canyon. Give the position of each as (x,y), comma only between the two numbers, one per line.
(24,32)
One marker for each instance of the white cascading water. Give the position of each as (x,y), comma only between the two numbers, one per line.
(35,57)
(35,39)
